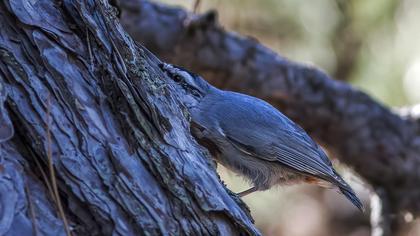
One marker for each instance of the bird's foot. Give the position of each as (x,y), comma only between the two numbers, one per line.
(246,192)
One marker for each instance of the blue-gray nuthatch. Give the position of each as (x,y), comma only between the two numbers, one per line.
(252,138)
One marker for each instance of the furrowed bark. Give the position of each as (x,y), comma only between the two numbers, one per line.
(380,145)
(79,91)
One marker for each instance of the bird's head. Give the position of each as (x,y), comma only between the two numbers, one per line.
(189,81)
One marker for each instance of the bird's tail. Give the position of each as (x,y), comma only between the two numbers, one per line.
(347,191)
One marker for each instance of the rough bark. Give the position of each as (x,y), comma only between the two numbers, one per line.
(84,97)
(380,145)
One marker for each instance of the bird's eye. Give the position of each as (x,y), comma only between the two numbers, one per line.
(177,78)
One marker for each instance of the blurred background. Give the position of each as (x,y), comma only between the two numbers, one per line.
(371,44)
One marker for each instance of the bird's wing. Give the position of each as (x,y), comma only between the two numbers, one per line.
(258,129)
(278,139)
(287,149)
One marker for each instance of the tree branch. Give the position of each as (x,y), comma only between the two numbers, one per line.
(378,144)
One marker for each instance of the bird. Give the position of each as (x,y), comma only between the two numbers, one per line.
(252,138)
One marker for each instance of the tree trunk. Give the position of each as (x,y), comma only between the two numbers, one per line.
(101,143)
